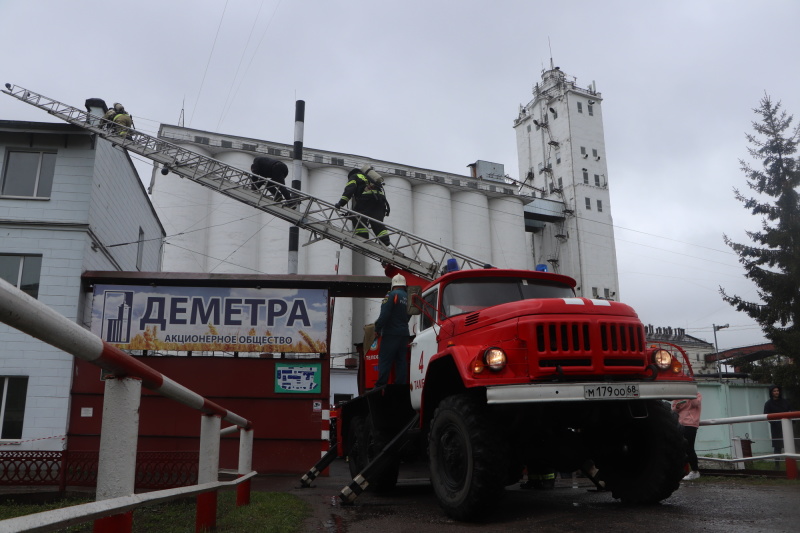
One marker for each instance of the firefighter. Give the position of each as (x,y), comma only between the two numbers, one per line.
(365,187)
(274,170)
(392,328)
(121,118)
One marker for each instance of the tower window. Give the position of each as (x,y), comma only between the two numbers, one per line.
(560,183)
(594,152)
(580,107)
(597,180)
(590,108)
(588,204)
(558,158)
(599,206)
(586,177)
(583,150)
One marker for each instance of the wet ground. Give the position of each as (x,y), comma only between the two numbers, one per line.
(711,504)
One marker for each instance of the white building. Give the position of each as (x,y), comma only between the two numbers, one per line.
(69,203)
(562,153)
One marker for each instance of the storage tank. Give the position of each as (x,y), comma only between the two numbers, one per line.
(327,183)
(433,214)
(471,224)
(234,227)
(182,207)
(507,229)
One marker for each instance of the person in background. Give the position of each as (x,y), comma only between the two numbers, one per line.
(689,419)
(365,187)
(392,328)
(776,404)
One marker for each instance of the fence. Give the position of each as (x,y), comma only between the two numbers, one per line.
(116,471)
(788,439)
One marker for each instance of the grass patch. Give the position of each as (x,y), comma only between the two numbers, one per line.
(268,512)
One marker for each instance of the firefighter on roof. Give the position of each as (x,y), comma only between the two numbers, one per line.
(365,187)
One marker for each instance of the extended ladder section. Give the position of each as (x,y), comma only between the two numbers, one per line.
(321,219)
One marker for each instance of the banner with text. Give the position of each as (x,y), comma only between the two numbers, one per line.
(134,317)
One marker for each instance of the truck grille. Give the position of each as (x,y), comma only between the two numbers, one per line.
(589,346)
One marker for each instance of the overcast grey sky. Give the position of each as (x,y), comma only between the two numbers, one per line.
(437,84)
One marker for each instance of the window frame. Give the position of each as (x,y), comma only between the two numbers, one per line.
(19,283)
(599,206)
(10,151)
(588,204)
(4,386)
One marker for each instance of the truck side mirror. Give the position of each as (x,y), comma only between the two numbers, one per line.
(412,307)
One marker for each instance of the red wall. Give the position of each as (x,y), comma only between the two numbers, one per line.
(287,430)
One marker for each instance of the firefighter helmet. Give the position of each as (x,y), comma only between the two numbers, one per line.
(398,281)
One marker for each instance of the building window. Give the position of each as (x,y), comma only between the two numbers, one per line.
(590,108)
(560,183)
(28,174)
(201,140)
(558,158)
(22,271)
(274,151)
(594,292)
(597,179)
(421,175)
(594,153)
(338,161)
(13,391)
(599,206)
(606,293)
(589,204)
(585,176)
(580,107)
(226,144)
(249,147)
(139,249)
(400,172)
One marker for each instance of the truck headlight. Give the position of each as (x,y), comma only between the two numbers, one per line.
(662,359)
(495,359)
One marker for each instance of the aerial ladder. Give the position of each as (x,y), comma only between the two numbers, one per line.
(407,252)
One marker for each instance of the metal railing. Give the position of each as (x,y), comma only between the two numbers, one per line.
(120,426)
(790,453)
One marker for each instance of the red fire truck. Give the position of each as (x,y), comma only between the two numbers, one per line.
(509,370)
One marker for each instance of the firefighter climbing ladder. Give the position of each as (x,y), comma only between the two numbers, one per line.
(321,219)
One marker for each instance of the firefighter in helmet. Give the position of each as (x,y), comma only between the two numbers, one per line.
(120,118)
(365,188)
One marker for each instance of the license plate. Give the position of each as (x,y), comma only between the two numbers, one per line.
(610,391)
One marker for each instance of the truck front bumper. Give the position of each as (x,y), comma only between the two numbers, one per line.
(574,392)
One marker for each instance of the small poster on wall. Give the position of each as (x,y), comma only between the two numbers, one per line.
(298,378)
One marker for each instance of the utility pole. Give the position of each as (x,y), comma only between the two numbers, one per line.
(716,349)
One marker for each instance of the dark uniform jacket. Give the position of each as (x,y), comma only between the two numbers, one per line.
(393,319)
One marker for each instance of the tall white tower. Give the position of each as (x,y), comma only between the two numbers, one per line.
(562,153)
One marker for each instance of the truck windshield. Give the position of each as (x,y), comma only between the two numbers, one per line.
(470,295)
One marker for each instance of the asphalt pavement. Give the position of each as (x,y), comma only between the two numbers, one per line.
(709,505)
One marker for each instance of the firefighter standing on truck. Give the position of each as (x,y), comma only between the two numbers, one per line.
(392,328)
(365,186)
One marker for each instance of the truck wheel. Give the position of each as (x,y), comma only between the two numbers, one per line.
(649,467)
(363,450)
(468,461)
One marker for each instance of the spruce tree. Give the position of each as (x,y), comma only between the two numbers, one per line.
(772,261)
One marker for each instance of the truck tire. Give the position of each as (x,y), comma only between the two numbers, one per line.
(468,459)
(362,451)
(651,467)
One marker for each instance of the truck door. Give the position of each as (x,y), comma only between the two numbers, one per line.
(424,345)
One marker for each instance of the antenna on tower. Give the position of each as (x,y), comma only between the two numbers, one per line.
(551,52)
(180,119)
